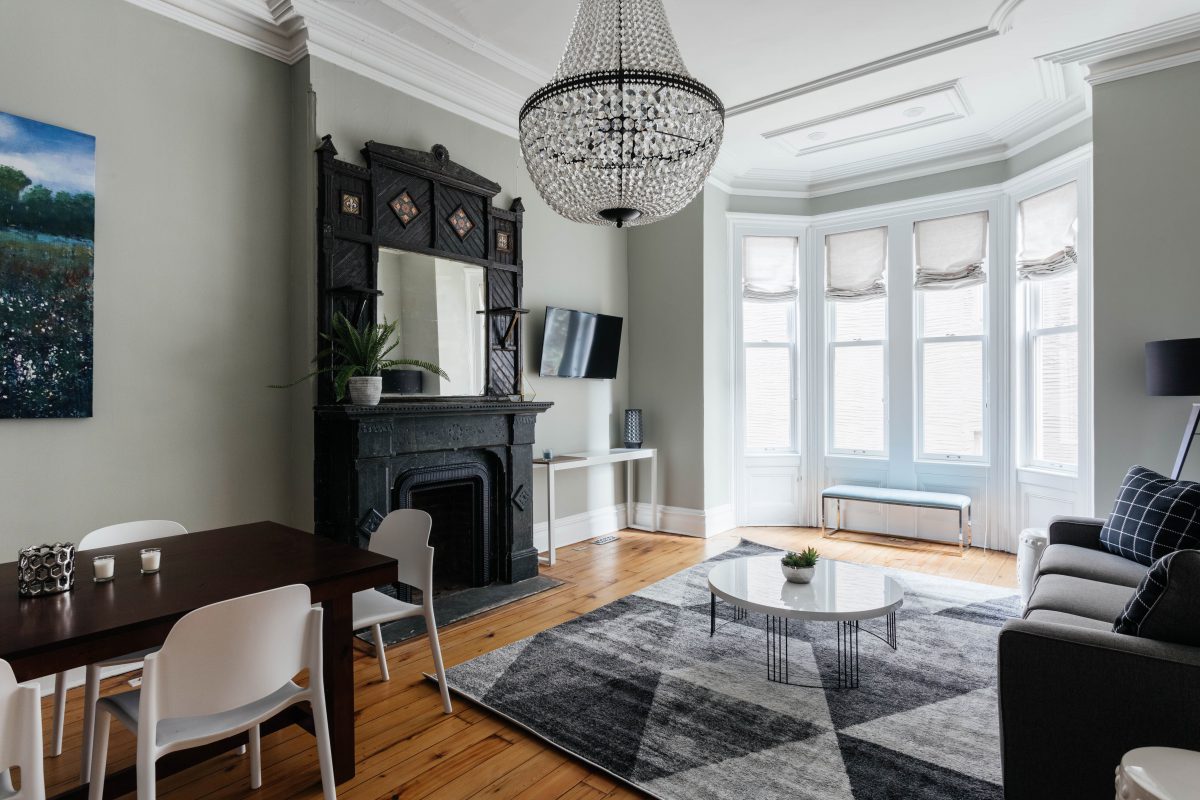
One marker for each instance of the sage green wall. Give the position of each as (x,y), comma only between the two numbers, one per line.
(1147,279)
(192,251)
(566,264)
(666,378)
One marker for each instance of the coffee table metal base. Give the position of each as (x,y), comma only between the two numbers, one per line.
(778,670)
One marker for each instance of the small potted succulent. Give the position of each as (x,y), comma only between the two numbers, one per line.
(359,359)
(799,567)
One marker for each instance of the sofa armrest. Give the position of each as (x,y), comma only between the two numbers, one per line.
(1074,700)
(1079,531)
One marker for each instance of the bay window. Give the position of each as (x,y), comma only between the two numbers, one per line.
(857,335)
(1046,266)
(769,293)
(951,340)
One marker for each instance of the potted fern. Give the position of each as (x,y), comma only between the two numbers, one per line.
(799,567)
(359,359)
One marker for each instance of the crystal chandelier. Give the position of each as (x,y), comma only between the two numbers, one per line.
(623,135)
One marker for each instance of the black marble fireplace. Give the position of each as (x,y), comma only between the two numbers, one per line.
(468,462)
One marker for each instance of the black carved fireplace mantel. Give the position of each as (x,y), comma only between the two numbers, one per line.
(371,460)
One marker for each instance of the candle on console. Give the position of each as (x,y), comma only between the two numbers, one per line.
(151,559)
(104,568)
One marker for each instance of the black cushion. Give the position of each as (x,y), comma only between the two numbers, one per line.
(1166,605)
(1153,516)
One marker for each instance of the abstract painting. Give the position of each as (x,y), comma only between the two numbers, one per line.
(47,219)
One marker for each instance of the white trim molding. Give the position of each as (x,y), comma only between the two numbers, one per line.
(583,526)
(1168,44)
(701,523)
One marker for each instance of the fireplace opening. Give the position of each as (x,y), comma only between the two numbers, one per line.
(458,499)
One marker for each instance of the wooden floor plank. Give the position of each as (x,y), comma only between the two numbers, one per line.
(407,748)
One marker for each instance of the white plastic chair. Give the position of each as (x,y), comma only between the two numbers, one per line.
(20,737)
(223,669)
(101,539)
(403,535)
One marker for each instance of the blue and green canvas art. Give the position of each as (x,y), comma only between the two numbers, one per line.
(47,218)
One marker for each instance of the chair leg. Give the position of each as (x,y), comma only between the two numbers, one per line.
(99,755)
(60,712)
(91,696)
(255,757)
(436,647)
(324,749)
(146,786)
(380,653)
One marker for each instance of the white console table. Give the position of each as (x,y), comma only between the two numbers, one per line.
(592,459)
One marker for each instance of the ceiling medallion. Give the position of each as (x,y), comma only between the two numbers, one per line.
(461,223)
(623,135)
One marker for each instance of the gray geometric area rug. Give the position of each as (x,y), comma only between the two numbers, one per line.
(639,689)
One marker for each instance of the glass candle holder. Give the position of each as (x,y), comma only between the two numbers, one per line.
(151,560)
(104,568)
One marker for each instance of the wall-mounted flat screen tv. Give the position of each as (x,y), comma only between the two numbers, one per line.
(578,344)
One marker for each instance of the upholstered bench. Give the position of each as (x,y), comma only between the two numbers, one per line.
(901,497)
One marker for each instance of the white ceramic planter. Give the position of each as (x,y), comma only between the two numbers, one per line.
(365,390)
(797,574)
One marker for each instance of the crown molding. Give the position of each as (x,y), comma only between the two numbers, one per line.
(468,41)
(367,50)
(999,23)
(268,27)
(1167,44)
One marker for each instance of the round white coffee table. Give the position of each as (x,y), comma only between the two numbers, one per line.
(840,592)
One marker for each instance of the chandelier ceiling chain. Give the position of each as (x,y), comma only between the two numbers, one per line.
(623,134)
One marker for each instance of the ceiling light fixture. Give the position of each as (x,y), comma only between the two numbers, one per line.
(915,111)
(622,135)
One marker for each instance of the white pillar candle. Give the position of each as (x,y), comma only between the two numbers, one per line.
(104,567)
(151,557)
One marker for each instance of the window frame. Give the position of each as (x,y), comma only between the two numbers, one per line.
(920,340)
(831,348)
(1032,300)
(793,394)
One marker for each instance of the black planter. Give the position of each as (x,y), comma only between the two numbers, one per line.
(403,381)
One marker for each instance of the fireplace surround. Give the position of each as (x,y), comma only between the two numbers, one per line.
(468,461)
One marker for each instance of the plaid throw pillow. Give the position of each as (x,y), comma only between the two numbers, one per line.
(1153,516)
(1166,605)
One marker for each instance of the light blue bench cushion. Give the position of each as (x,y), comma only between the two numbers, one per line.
(899,497)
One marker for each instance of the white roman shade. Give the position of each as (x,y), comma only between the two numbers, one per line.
(855,264)
(1049,223)
(950,251)
(769,268)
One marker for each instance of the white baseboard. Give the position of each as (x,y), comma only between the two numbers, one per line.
(689,521)
(581,527)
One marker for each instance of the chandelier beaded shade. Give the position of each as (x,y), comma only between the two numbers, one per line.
(623,135)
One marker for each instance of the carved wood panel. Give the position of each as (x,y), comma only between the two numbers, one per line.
(423,202)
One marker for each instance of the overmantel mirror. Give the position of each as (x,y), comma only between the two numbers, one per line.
(413,238)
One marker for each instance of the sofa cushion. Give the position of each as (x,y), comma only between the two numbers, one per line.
(1153,516)
(1095,565)
(1060,618)
(1166,604)
(1079,596)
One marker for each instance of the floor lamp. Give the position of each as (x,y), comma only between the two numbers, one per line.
(1173,369)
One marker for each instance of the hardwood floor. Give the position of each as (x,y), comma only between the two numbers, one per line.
(408,748)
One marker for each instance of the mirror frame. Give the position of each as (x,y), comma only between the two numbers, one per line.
(361,209)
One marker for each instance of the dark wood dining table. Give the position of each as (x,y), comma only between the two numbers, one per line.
(94,621)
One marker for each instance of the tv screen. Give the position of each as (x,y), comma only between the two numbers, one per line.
(578,344)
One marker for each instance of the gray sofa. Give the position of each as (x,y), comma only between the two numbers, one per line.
(1074,696)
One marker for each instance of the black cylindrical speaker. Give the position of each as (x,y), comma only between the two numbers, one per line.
(633,428)
(403,381)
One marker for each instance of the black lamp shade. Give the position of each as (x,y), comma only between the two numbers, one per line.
(1173,367)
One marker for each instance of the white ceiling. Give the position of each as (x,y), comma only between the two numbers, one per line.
(820,96)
